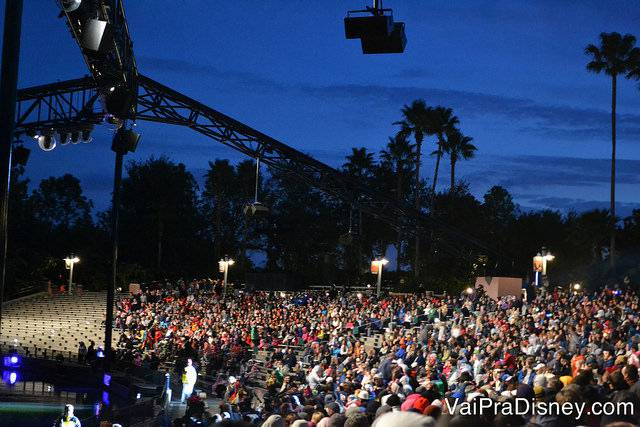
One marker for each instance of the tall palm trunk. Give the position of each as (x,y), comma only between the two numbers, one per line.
(435,171)
(399,235)
(612,249)
(416,259)
(453,174)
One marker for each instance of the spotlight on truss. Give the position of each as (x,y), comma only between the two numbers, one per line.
(47,141)
(64,137)
(126,141)
(70,5)
(86,136)
(256,209)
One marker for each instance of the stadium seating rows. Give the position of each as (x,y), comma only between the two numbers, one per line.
(54,323)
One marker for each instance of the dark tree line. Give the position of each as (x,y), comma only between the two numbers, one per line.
(170,227)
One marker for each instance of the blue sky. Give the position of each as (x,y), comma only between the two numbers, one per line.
(513,72)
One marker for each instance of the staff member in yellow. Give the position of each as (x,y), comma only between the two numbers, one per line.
(67,419)
(189,378)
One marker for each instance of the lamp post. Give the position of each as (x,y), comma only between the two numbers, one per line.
(224,264)
(69,262)
(376,267)
(540,263)
(546,257)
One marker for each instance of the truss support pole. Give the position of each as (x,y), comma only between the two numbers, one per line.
(115,213)
(8,93)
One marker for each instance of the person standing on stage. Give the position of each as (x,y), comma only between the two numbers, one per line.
(189,377)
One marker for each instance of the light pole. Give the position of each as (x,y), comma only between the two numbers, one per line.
(540,263)
(69,263)
(376,267)
(546,257)
(223,265)
(8,93)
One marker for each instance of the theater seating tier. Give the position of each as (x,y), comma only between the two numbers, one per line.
(54,323)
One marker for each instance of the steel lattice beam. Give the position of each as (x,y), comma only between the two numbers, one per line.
(113,65)
(158,103)
(68,105)
(72,103)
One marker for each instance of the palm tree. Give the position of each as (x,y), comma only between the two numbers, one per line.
(360,163)
(417,122)
(219,180)
(442,120)
(458,147)
(398,160)
(616,55)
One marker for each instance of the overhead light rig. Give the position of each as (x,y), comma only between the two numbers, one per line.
(59,113)
(127,95)
(376,29)
(100,29)
(159,103)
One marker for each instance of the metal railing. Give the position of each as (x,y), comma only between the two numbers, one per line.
(36,352)
(25,291)
(142,411)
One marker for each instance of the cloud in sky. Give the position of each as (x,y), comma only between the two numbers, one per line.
(559,183)
(564,122)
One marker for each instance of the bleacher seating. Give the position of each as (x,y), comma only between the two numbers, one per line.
(57,322)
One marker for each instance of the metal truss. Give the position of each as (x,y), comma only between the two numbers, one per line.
(74,103)
(158,103)
(113,65)
(69,105)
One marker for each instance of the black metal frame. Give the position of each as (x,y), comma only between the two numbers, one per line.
(113,67)
(73,102)
(158,103)
(65,105)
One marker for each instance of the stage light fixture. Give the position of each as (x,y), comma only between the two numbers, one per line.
(75,137)
(119,102)
(126,141)
(86,136)
(255,209)
(47,142)
(376,29)
(10,377)
(70,5)
(64,137)
(393,43)
(94,33)
(12,361)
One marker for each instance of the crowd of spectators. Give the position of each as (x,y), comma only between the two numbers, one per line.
(451,360)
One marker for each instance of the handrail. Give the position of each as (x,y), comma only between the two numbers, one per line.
(24,291)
